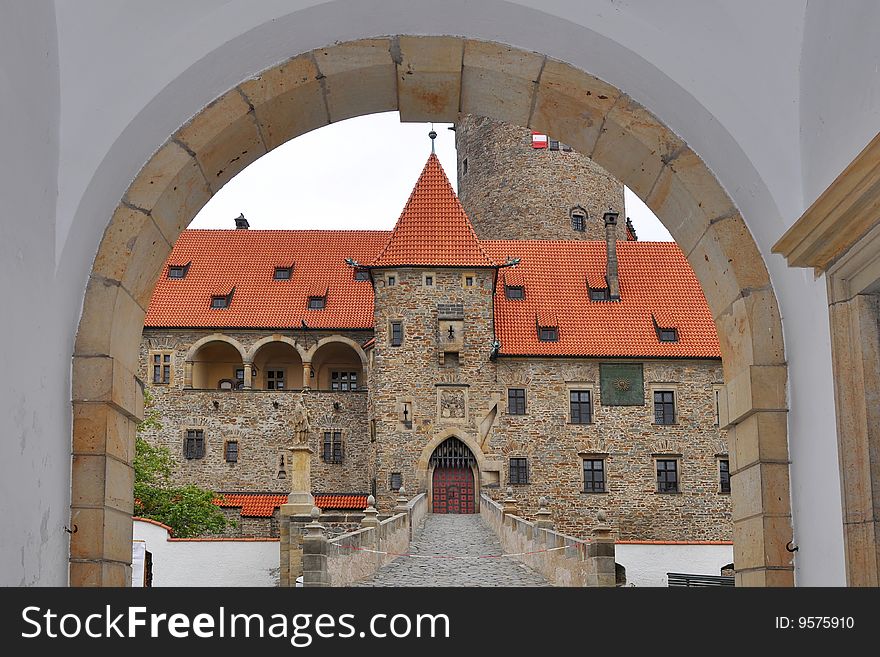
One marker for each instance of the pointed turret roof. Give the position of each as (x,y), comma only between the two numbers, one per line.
(433,229)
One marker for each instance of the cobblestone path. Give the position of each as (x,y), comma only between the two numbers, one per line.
(455,535)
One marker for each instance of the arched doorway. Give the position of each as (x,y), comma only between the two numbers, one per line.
(488,79)
(453,488)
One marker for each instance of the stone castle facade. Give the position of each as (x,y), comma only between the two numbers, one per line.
(457,353)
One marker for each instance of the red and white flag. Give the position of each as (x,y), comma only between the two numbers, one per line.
(539,140)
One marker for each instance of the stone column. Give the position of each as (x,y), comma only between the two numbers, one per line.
(248,376)
(600,555)
(188,374)
(314,558)
(307,375)
(299,464)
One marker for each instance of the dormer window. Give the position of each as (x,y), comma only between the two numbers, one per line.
(178,271)
(283,273)
(222,300)
(666,333)
(317,303)
(548,334)
(548,326)
(515,291)
(361,275)
(599,294)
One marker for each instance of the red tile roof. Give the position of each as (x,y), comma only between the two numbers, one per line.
(263,505)
(246,260)
(655,279)
(332,501)
(433,229)
(253,505)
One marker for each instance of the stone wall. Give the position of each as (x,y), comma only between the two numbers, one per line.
(627,438)
(532,190)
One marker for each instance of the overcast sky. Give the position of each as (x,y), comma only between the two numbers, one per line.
(355,174)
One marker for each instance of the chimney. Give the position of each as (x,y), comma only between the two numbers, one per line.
(241,223)
(611,246)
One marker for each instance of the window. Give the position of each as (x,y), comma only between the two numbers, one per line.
(283,273)
(343,381)
(664,407)
(361,275)
(406,416)
(161,364)
(274,379)
(667,476)
(594,475)
(578,221)
(553,144)
(219,302)
(581,407)
(516,401)
(548,334)
(317,303)
(231,451)
(281,467)
(599,294)
(194,445)
(667,334)
(178,271)
(429,281)
(464,167)
(468,281)
(396,334)
(519,471)
(515,291)
(332,447)
(396,480)
(239,378)
(392,281)
(724,475)
(717,406)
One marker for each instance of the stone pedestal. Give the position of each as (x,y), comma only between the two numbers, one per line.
(300,500)
(600,554)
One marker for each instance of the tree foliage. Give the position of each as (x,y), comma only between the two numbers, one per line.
(188,510)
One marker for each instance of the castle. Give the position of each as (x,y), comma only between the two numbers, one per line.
(517,335)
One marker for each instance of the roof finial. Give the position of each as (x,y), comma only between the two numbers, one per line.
(433,136)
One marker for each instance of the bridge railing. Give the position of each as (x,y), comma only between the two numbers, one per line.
(357,555)
(563,560)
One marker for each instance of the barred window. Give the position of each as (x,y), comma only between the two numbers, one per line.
(724,474)
(667,476)
(516,401)
(594,475)
(194,444)
(581,407)
(519,471)
(332,447)
(664,407)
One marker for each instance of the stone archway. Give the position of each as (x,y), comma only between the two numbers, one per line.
(426,79)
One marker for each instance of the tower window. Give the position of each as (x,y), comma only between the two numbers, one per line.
(516,401)
(283,273)
(515,291)
(392,281)
(194,444)
(231,451)
(724,475)
(396,334)
(429,281)
(519,471)
(468,281)
(553,144)
(332,447)
(464,167)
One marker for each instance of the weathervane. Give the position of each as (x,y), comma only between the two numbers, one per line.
(433,136)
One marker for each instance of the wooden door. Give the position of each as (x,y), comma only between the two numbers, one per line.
(453,491)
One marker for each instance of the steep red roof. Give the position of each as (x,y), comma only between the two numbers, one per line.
(433,229)
(655,280)
(246,260)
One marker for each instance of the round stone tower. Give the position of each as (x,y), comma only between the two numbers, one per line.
(512,190)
